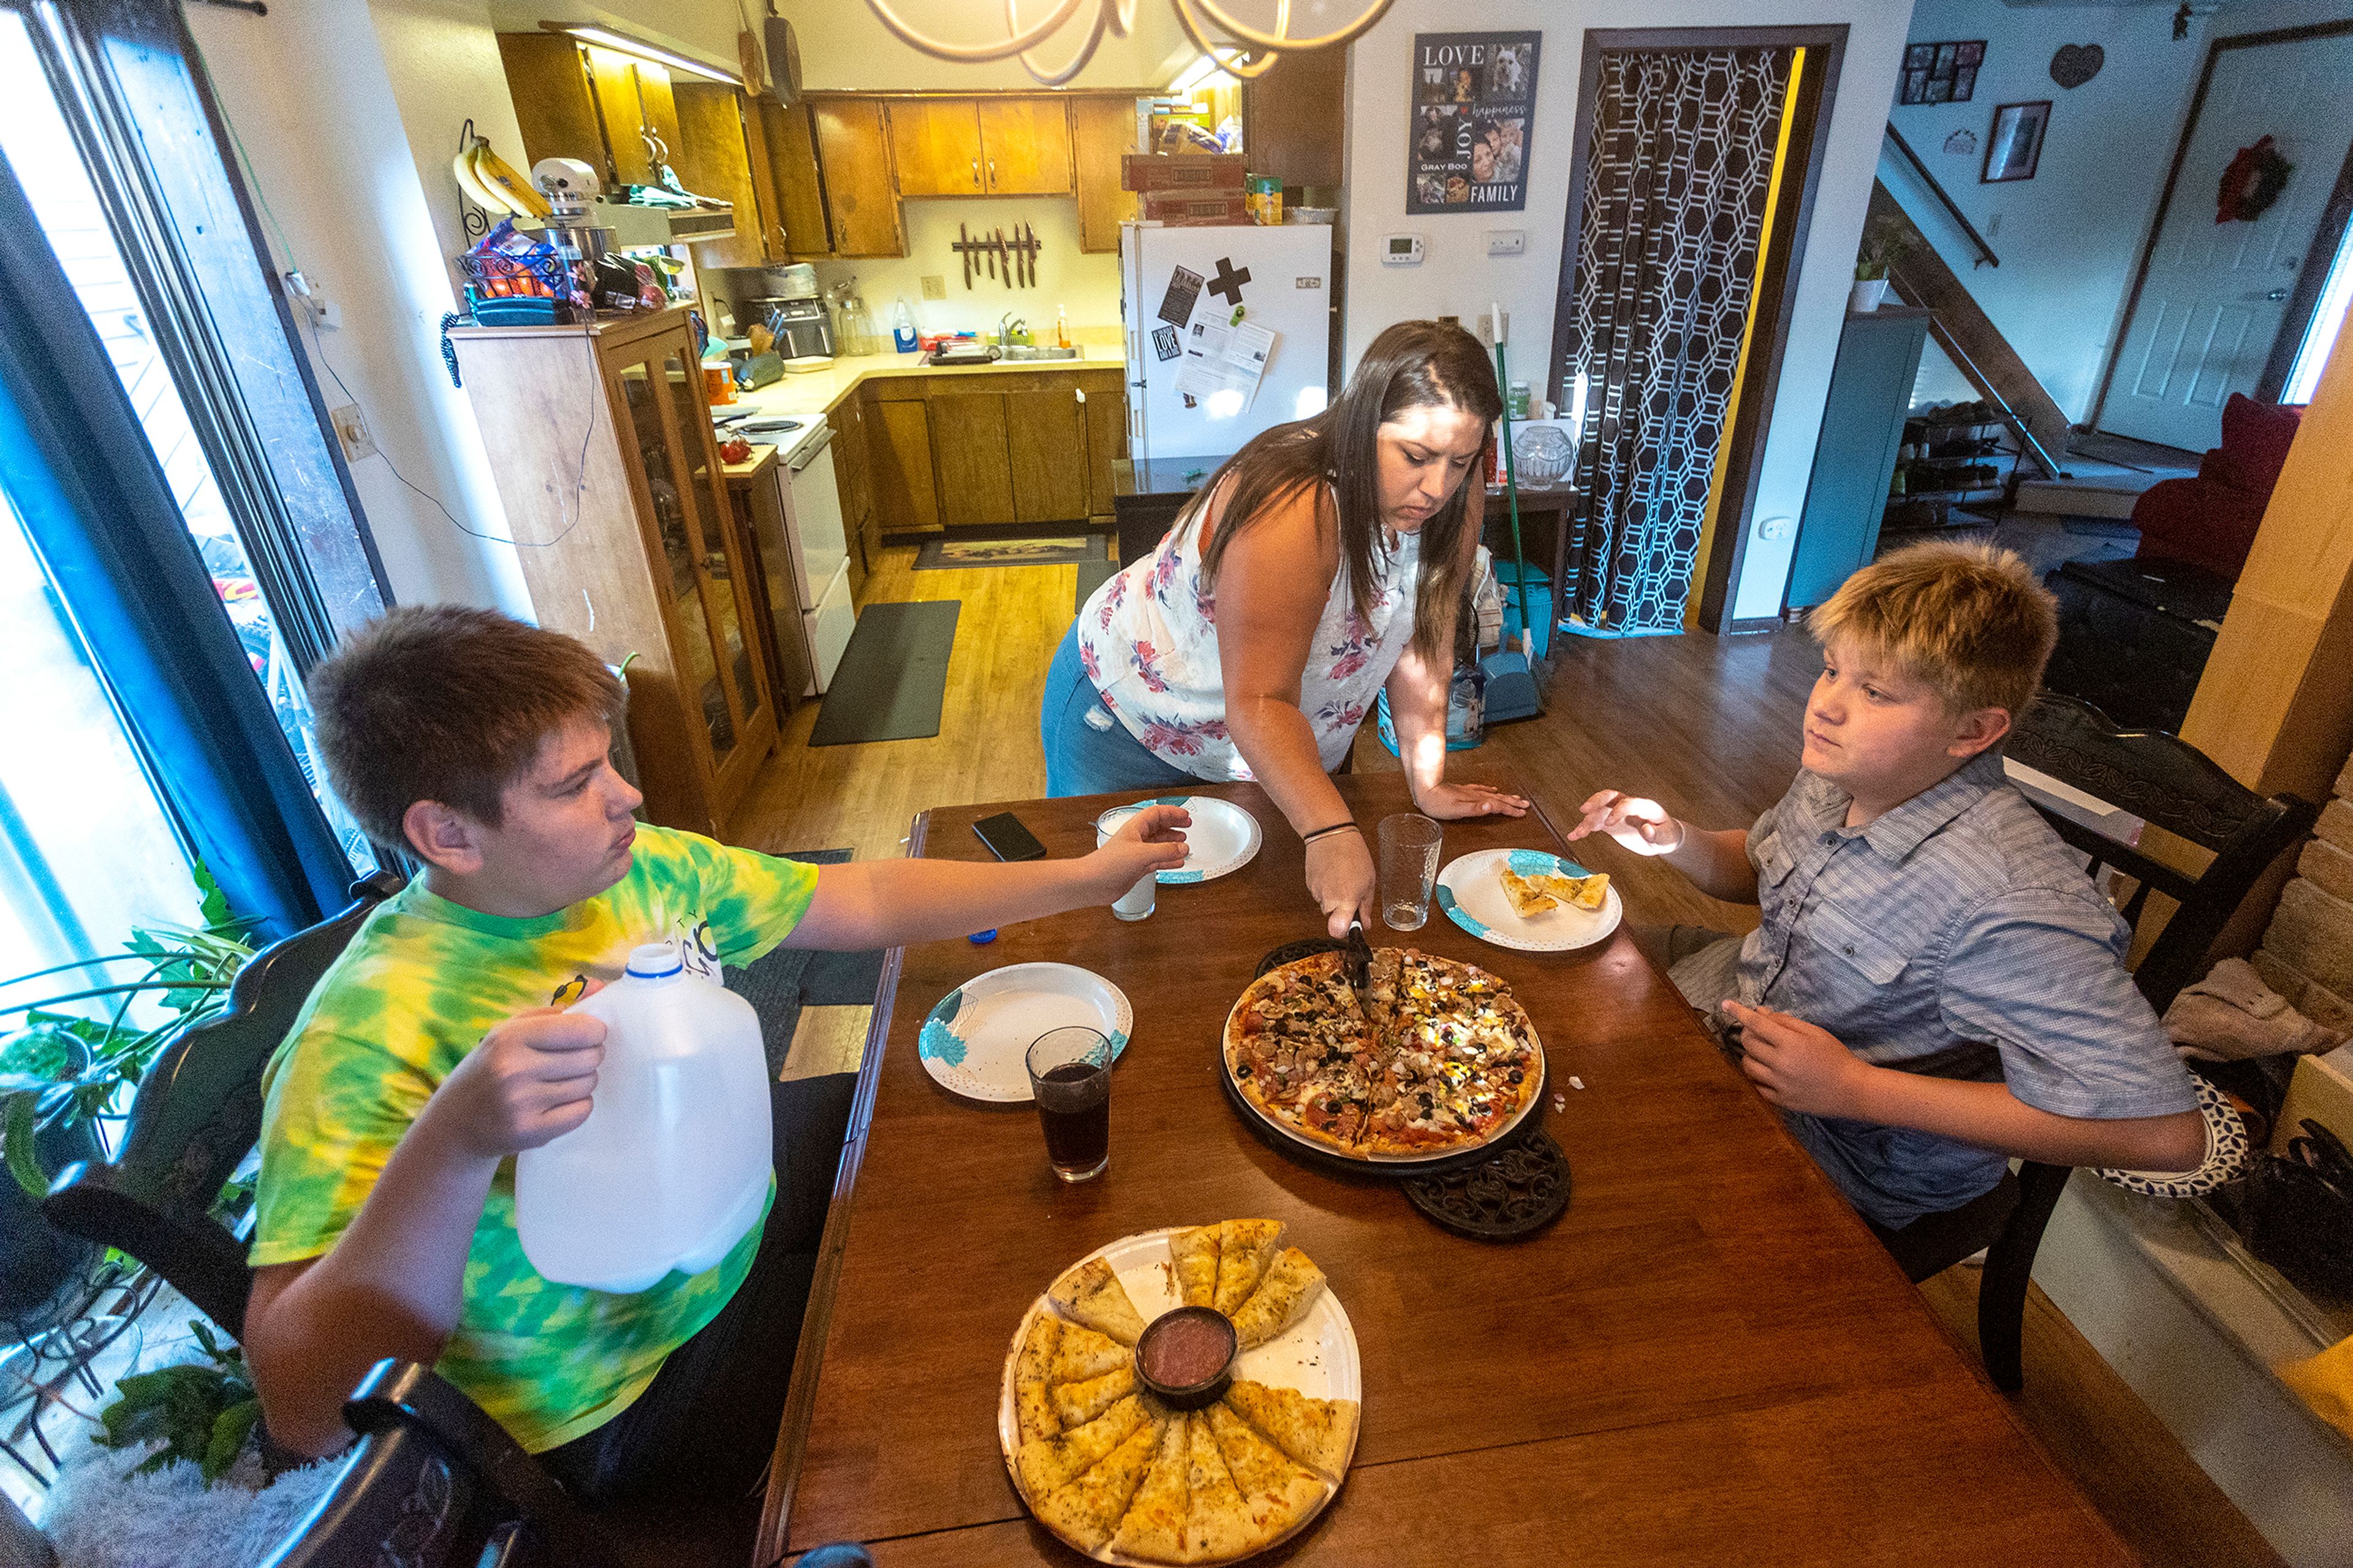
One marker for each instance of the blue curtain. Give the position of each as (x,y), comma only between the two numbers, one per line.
(94,502)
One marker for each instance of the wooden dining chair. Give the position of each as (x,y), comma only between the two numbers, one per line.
(433,1482)
(2171,785)
(194,1117)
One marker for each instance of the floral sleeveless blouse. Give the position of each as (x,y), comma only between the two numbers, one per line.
(1148,642)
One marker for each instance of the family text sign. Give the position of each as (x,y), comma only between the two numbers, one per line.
(1475,98)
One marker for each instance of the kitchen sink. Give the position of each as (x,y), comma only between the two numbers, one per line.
(1043,350)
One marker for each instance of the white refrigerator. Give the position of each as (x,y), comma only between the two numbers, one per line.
(1199,382)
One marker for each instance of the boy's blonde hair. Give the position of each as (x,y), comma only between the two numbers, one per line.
(1969,620)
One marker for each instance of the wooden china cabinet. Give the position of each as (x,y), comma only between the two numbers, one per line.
(645,564)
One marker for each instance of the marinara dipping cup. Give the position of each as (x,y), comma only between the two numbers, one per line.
(1186,1356)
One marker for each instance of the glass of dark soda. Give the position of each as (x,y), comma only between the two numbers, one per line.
(1070,1078)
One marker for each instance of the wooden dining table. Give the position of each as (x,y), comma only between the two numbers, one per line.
(1706,1359)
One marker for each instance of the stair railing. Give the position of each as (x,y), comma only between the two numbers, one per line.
(1985,255)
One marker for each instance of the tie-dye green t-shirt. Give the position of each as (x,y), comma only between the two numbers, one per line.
(421,983)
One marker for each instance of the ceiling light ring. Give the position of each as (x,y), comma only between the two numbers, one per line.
(1239,68)
(1275,40)
(979,54)
(1115,13)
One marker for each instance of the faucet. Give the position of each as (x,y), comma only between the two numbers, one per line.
(1008,325)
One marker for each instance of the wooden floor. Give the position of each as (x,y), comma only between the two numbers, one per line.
(1708,726)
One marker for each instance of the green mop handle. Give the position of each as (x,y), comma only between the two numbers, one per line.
(1511,482)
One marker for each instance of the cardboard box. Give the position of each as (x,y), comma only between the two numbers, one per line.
(1213,171)
(2322,1089)
(1178,210)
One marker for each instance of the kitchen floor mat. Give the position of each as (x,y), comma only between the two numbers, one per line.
(892,677)
(1090,577)
(963,554)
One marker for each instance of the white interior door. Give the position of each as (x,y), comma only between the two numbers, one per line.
(2215,293)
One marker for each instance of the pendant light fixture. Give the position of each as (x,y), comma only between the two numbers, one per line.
(1199,19)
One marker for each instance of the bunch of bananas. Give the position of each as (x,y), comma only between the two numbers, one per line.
(493,183)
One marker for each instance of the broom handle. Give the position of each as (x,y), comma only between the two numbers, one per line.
(1512,490)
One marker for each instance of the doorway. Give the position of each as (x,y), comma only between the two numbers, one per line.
(1697,155)
(2224,304)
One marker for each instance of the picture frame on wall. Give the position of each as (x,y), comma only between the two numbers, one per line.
(1940,72)
(2014,146)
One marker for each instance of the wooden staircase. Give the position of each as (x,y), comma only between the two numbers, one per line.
(1918,276)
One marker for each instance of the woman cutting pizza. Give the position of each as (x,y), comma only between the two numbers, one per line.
(1320,565)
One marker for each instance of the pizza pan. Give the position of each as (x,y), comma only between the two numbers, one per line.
(976,1039)
(1316,1355)
(1472,893)
(1325,1158)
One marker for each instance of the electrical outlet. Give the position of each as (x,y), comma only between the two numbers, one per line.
(1507,241)
(935,288)
(352,432)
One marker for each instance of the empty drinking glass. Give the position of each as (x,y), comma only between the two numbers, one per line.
(1410,845)
(1070,1078)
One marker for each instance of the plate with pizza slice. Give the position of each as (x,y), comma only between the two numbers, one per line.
(1128,1479)
(1529,900)
(1436,1062)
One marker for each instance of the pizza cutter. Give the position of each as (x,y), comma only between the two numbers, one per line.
(1358,963)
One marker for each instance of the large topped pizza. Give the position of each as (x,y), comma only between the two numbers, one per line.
(1128,1479)
(1437,1059)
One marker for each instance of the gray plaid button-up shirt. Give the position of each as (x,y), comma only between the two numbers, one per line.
(1957,936)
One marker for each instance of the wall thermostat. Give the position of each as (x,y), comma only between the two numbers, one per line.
(1401,250)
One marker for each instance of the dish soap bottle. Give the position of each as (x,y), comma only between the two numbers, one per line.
(902,328)
(673,1164)
(1062,328)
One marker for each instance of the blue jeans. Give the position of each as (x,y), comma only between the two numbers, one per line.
(1088,751)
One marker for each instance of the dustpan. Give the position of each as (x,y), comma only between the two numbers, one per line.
(1512,690)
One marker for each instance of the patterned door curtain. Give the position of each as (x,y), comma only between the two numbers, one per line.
(1680,165)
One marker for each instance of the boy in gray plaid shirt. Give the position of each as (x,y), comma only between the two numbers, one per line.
(1936,986)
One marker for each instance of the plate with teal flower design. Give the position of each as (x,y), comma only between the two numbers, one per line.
(1471,892)
(975,1041)
(1223,838)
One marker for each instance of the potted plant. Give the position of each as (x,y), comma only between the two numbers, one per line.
(61,1074)
(1883,243)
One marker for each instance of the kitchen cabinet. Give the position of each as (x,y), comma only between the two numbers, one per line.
(899,454)
(794,207)
(849,463)
(653,570)
(854,158)
(757,490)
(1046,444)
(1106,409)
(1102,131)
(935,144)
(1025,146)
(639,116)
(969,457)
(547,77)
(1014,145)
(721,152)
(1292,119)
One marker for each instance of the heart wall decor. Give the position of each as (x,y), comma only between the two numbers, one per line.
(2076,64)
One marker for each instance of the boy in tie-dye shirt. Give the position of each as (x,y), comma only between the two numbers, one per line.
(436,1048)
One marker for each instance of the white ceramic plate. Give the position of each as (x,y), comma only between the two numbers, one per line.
(1472,893)
(1317,1356)
(976,1038)
(1223,838)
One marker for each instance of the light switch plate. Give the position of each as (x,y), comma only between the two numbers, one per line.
(935,288)
(1507,241)
(352,430)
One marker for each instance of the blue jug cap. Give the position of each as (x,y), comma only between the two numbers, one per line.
(655,961)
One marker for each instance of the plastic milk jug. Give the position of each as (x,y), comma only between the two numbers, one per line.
(673,1165)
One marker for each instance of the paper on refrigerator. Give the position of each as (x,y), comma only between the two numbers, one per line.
(1223,357)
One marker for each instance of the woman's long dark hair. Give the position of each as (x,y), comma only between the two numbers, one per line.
(1413,364)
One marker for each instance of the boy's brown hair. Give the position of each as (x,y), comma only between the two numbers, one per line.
(444,703)
(1969,620)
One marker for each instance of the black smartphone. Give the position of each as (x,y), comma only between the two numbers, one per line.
(1008,839)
